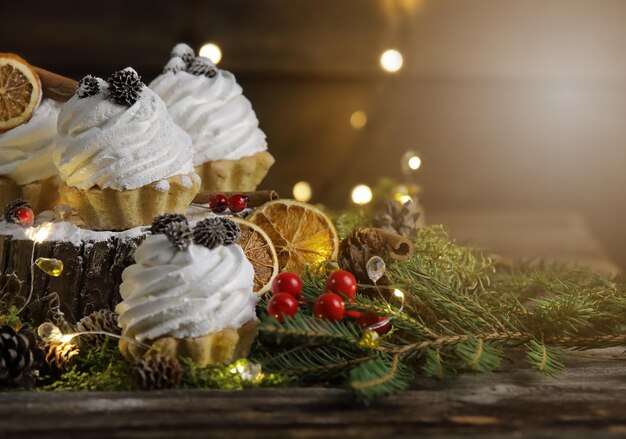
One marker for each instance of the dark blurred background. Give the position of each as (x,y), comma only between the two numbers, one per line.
(512,105)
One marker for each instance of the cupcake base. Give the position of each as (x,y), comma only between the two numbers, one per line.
(109,209)
(223,346)
(235,175)
(42,194)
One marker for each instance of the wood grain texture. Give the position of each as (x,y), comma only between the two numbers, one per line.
(92,273)
(586,401)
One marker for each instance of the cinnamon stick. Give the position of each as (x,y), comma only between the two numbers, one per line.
(400,247)
(56,87)
(257,198)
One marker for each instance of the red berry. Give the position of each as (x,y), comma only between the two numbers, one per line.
(289,283)
(329,306)
(24,216)
(342,282)
(282,304)
(218,203)
(353,313)
(237,203)
(368,319)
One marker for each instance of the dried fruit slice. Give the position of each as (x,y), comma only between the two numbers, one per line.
(302,234)
(20,91)
(260,252)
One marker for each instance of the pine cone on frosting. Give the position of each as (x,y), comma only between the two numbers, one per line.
(183,51)
(88,86)
(202,66)
(233,231)
(175,65)
(210,232)
(11,209)
(125,86)
(179,234)
(160,223)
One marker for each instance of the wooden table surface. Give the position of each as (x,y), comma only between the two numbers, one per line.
(587,401)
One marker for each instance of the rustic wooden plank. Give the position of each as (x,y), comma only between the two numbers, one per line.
(587,399)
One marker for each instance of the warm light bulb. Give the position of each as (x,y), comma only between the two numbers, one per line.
(414,162)
(302,191)
(67,338)
(39,234)
(358,119)
(398,294)
(361,194)
(391,60)
(211,51)
(404,199)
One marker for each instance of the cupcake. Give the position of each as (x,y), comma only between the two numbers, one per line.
(230,149)
(189,293)
(121,157)
(26,166)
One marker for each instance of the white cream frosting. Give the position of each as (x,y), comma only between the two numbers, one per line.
(185,294)
(103,144)
(26,150)
(219,118)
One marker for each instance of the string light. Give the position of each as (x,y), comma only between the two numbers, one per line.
(51,333)
(361,194)
(211,51)
(391,60)
(41,233)
(411,162)
(358,119)
(302,191)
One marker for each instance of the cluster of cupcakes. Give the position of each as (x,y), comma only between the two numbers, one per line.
(120,152)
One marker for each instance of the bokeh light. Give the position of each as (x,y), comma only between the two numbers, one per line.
(361,194)
(358,119)
(302,191)
(391,60)
(211,51)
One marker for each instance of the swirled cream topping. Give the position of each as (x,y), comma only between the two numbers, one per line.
(185,294)
(26,150)
(215,113)
(104,144)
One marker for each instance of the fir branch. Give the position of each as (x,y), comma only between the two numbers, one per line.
(310,328)
(479,356)
(379,377)
(543,358)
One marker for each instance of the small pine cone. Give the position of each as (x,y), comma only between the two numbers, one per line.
(233,231)
(358,248)
(125,86)
(20,357)
(175,65)
(179,234)
(162,221)
(202,66)
(399,218)
(101,320)
(210,232)
(88,86)
(156,371)
(60,356)
(11,208)
(183,51)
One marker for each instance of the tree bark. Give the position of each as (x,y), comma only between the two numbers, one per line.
(90,279)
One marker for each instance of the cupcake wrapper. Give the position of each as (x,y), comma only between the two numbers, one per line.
(42,194)
(109,209)
(235,175)
(224,346)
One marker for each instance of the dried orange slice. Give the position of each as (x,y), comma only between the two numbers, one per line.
(260,251)
(20,91)
(302,234)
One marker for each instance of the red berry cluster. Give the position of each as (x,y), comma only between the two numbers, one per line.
(236,203)
(340,285)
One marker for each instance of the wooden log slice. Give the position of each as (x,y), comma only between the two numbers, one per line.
(90,279)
